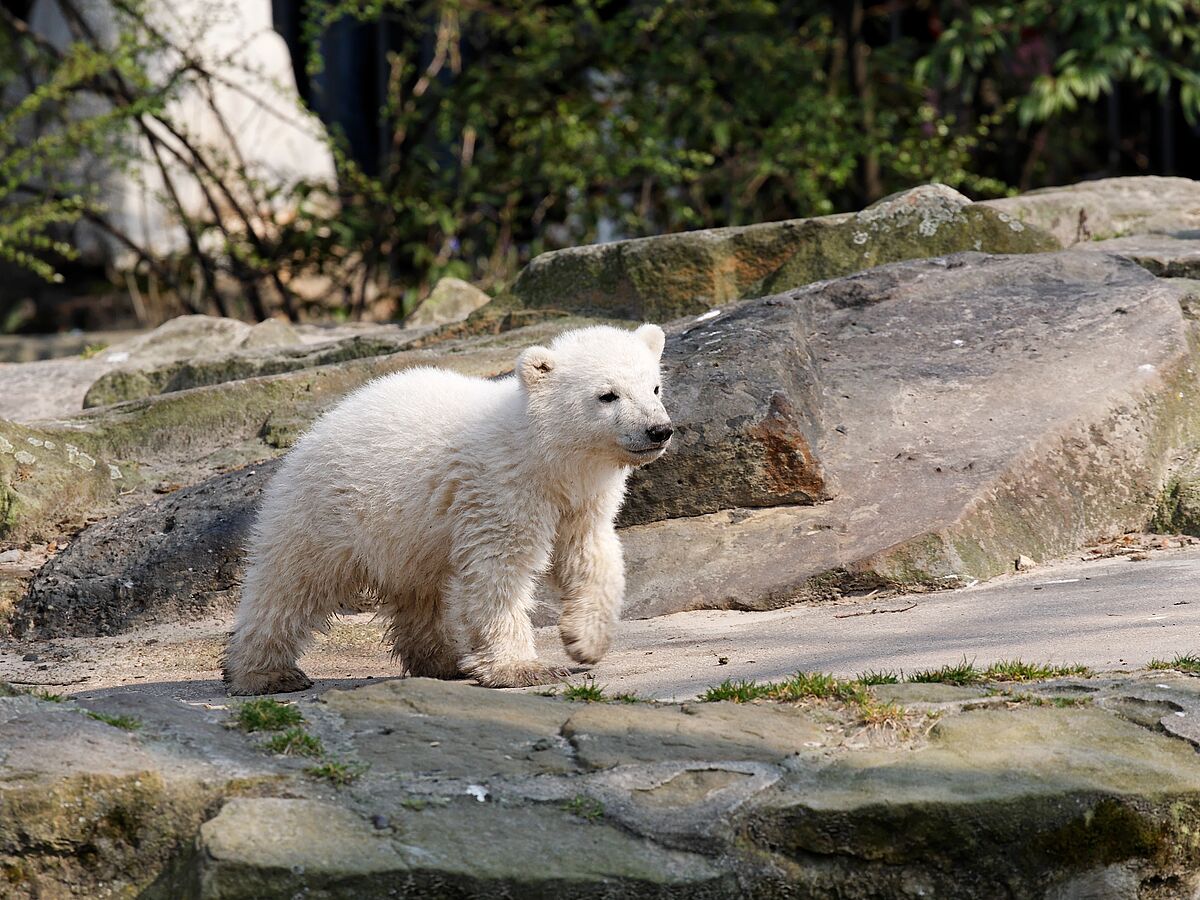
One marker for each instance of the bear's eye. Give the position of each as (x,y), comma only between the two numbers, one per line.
(610,397)
(656,390)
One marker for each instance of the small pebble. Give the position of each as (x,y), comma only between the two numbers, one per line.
(381,822)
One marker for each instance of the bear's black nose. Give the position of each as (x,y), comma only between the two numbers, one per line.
(659,433)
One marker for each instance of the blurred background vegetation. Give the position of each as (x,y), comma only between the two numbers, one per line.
(470,136)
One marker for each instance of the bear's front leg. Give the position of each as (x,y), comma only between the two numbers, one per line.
(588,571)
(489,599)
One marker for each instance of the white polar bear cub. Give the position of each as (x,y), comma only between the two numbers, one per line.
(447,498)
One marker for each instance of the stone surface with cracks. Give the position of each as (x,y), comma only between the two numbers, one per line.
(1047,787)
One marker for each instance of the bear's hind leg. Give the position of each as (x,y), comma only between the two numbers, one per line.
(420,639)
(275,622)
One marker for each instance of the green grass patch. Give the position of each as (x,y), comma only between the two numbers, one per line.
(92,349)
(585,808)
(1066,702)
(266,715)
(588,692)
(336,772)
(884,676)
(801,686)
(965,672)
(1016,670)
(810,686)
(962,673)
(125,723)
(626,698)
(49,696)
(294,742)
(1182,662)
(736,691)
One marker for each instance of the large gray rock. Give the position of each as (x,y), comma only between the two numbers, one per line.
(254,356)
(977,409)
(747,421)
(974,409)
(671,275)
(476,793)
(174,560)
(1108,208)
(266,848)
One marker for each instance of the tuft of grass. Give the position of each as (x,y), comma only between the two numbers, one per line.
(125,723)
(295,742)
(92,349)
(49,696)
(585,808)
(801,686)
(736,691)
(883,676)
(1183,662)
(1063,702)
(962,673)
(1016,670)
(965,672)
(1037,700)
(811,686)
(626,698)
(588,692)
(266,715)
(338,773)
(881,714)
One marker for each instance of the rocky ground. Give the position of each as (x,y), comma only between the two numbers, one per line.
(890,460)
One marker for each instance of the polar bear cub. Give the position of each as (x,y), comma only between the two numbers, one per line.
(446,498)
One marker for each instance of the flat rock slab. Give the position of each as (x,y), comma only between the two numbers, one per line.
(1049,788)
(245,361)
(56,387)
(1108,208)
(662,277)
(977,409)
(1173,255)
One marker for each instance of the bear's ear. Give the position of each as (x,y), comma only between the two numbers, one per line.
(534,365)
(652,336)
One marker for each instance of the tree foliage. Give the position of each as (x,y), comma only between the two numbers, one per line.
(517,126)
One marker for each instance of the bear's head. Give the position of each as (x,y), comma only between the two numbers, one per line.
(597,391)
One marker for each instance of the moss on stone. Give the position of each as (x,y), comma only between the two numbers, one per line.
(1178,507)
(49,481)
(1109,832)
(675,275)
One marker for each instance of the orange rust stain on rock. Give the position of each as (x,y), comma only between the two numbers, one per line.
(789,466)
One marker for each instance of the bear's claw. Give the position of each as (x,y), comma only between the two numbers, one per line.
(286,681)
(522,674)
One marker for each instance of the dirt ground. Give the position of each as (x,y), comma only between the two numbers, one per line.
(1115,606)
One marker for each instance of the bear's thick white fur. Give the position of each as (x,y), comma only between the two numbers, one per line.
(447,498)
